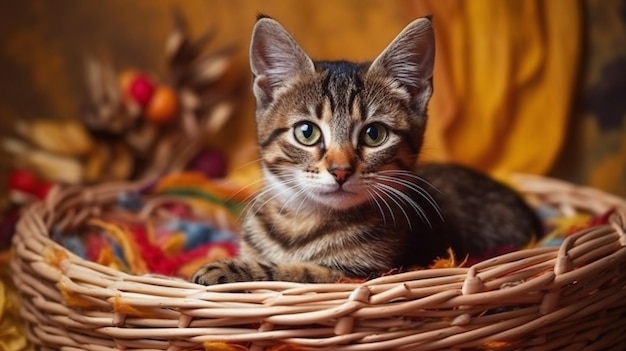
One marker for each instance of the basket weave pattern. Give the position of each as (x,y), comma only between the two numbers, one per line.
(571,297)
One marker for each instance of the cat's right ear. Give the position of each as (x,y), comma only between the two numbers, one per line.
(409,60)
(275,59)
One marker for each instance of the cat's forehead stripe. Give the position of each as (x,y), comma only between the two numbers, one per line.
(341,84)
(327,91)
(319,110)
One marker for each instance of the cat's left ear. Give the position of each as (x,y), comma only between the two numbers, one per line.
(409,60)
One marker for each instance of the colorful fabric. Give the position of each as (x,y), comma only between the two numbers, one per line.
(198,222)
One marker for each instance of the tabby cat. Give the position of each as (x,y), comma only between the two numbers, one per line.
(342,199)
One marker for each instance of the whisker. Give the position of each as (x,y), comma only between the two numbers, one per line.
(302,200)
(416,188)
(267,189)
(280,212)
(252,199)
(421,190)
(408,200)
(246,187)
(242,166)
(412,175)
(296,196)
(381,193)
(372,198)
(394,195)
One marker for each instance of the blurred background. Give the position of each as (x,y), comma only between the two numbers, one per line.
(520,86)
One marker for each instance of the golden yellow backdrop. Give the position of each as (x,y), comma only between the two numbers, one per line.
(505,82)
(504,74)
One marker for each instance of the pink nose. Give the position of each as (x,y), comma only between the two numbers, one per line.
(341,174)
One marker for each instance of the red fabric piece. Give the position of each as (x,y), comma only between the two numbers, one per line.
(160,263)
(94,245)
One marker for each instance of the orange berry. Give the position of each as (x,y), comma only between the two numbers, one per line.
(163,105)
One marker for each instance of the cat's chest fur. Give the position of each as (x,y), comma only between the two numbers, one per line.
(356,241)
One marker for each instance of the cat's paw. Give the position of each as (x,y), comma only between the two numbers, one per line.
(232,271)
(221,272)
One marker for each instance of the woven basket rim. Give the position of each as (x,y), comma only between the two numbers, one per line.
(71,302)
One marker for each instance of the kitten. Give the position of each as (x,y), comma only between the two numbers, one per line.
(342,198)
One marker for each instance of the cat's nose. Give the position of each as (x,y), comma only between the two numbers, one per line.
(341,174)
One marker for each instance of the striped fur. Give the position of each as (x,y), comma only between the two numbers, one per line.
(338,143)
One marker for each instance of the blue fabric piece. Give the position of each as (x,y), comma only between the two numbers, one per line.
(130,201)
(198,233)
(75,245)
(556,242)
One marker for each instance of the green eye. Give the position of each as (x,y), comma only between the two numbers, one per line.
(374,135)
(307,133)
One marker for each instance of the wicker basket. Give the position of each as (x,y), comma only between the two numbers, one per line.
(571,297)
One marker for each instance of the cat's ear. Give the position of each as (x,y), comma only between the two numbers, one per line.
(409,60)
(275,59)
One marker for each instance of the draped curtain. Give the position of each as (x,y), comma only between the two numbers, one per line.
(505,79)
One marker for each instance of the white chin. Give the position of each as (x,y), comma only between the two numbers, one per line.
(340,200)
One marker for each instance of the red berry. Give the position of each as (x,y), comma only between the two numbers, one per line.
(42,190)
(141,89)
(23,180)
